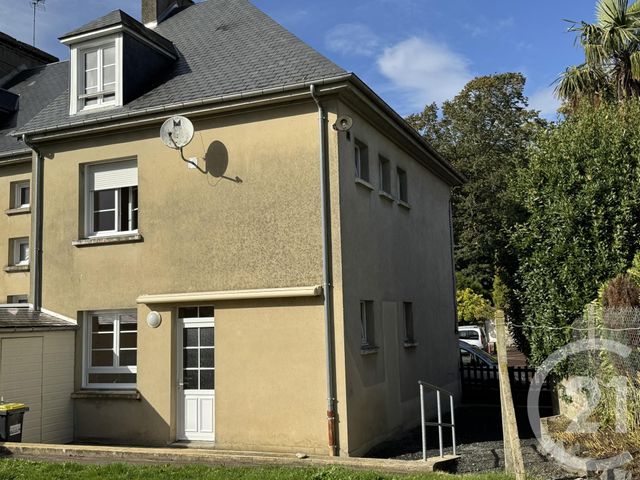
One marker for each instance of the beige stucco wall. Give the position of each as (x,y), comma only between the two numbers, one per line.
(390,255)
(12,226)
(207,233)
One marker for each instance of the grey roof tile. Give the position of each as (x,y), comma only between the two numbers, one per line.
(25,318)
(225,47)
(37,88)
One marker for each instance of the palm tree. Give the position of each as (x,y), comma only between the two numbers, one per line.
(612,55)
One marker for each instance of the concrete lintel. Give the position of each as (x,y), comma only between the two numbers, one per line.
(263,293)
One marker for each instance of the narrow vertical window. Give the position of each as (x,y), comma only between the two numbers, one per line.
(409,336)
(361,156)
(367,333)
(385,175)
(403,191)
(21,195)
(19,251)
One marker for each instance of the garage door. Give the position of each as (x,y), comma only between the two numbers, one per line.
(21,380)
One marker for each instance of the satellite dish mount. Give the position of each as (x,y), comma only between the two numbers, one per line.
(176,133)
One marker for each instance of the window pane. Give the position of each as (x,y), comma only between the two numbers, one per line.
(109,56)
(190,337)
(206,358)
(90,101)
(109,78)
(128,323)
(90,60)
(206,312)
(124,209)
(128,358)
(190,358)
(102,340)
(101,323)
(102,358)
(25,196)
(190,379)
(128,340)
(112,378)
(104,200)
(24,252)
(104,221)
(188,312)
(206,337)
(207,380)
(90,81)
(109,98)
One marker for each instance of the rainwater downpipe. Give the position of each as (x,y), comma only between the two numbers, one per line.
(36,226)
(327,272)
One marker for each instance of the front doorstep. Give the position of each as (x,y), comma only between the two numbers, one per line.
(98,454)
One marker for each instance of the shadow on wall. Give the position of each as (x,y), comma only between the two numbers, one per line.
(217,162)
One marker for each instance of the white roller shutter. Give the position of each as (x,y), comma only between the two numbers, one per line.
(105,176)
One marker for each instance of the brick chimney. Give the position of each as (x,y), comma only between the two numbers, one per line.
(155,11)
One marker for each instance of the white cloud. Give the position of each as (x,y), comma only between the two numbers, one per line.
(545,100)
(424,70)
(352,39)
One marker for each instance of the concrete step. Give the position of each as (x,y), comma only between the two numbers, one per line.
(207,456)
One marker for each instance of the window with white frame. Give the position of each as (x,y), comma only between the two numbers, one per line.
(407,314)
(97,82)
(19,251)
(111,198)
(361,156)
(111,353)
(385,175)
(15,299)
(21,195)
(367,338)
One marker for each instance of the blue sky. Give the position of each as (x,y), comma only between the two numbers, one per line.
(411,52)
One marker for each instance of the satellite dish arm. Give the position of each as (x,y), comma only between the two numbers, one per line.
(186,160)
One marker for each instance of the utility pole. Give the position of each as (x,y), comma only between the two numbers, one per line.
(513,461)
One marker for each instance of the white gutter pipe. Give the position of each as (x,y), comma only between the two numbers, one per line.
(327,271)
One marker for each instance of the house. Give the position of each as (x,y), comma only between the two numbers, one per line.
(306,224)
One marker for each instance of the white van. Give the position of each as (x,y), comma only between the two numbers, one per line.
(473,335)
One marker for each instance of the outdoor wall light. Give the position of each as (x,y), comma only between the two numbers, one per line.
(154,319)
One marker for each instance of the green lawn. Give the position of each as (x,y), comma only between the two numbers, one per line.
(20,469)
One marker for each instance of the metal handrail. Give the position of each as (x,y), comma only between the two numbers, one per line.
(440,424)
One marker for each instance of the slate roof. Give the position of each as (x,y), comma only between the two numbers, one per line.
(37,88)
(118,17)
(225,47)
(30,50)
(25,318)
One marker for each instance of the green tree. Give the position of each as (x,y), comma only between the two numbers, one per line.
(484,132)
(612,55)
(581,192)
(472,307)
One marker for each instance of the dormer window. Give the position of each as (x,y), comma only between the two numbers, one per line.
(99,79)
(96,74)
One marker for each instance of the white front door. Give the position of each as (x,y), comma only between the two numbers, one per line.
(196,379)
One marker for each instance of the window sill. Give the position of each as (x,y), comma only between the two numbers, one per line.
(106,395)
(364,183)
(411,344)
(386,196)
(364,351)
(404,204)
(16,268)
(111,240)
(18,211)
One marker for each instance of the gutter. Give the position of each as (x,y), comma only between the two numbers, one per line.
(327,271)
(36,226)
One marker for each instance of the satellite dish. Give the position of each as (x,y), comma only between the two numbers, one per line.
(343,124)
(176,132)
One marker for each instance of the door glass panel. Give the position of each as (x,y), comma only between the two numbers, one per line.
(102,358)
(190,337)
(206,358)
(206,337)
(190,358)
(207,380)
(191,379)
(128,358)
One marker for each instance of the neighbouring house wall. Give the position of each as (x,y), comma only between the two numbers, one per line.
(206,233)
(36,368)
(392,254)
(12,226)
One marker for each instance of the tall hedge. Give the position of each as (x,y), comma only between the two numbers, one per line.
(581,193)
